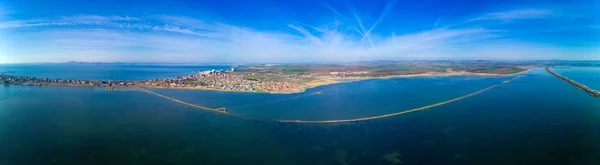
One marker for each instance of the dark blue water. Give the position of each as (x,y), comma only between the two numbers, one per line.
(536,119)
(107,71)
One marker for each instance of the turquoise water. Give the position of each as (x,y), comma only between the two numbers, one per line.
(536,119)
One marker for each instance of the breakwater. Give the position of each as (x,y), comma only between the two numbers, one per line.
(579,86)
(401,112)
(223,110)
(220,110)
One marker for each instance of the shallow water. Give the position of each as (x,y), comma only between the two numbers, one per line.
(536,119)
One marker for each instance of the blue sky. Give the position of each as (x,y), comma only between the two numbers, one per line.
(296,31)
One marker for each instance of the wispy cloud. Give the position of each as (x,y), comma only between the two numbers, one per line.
(363,30)
(182,30)
(187,22)
(343,18)
(331,8)
(515,14)
(381,16)
(168,38)
(306,33)
(70,20)
(204,42)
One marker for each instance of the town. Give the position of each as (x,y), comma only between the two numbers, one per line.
(225,80)
(285,78)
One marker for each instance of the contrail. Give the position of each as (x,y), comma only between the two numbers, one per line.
(364,30)
(331,8)
(365,34)
(343,18)
(383,13)
(437,23)
(317,29)
(306,33)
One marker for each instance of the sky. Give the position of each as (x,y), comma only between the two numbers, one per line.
(261,31)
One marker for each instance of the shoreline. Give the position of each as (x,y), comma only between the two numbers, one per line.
(321,81)
(329,81)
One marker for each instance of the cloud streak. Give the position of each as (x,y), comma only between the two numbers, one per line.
(381,16)
(70,20)
(306,33)
(343,18)
(515,14)
(205,42)
(166,38)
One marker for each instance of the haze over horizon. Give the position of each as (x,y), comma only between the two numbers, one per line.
(249,31)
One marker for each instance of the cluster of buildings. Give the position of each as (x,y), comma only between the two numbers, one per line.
(280,87)
(348,73)
(206,79)
(33,81)
(227,80)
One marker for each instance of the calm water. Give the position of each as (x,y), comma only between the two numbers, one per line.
(590,76)
(88,71)
(536,119)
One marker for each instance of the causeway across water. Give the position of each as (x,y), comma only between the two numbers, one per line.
(224,111)
(574,83)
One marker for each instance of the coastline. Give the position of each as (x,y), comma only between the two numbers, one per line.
(324,80)
(320,81)
(329,81)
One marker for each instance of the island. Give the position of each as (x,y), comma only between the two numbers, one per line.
(289,78)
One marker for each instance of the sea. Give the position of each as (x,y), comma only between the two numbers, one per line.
(533,119)
(589,76)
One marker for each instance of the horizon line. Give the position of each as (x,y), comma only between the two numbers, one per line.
(339,62)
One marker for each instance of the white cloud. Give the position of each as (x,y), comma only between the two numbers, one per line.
(71,20)
(185,39)
(305,32)
(515,14)
(205,42)
(184,21)
(381,16)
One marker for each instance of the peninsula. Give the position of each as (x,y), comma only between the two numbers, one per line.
(289,78)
